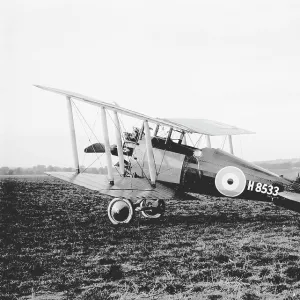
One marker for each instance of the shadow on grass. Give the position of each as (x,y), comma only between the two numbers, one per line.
(216,218)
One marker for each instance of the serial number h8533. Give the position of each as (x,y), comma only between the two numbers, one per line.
(262,188)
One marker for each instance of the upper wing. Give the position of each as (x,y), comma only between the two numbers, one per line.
(208,127)
(127,187)
(188,125)
(110,106)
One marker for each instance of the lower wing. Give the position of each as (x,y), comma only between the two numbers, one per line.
(126,187)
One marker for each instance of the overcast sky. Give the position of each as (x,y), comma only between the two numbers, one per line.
(237,62)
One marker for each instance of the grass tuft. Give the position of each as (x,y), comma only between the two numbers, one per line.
(114,273)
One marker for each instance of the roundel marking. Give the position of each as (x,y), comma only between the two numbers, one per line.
(230,181)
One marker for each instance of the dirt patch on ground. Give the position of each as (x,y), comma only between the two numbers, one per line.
(57,242)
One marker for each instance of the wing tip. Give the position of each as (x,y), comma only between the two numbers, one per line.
(43,86)
(40,86)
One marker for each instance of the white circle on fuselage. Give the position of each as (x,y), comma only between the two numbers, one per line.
(230,181)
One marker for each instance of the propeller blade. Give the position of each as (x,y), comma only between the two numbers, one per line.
(100,148)
(95,148)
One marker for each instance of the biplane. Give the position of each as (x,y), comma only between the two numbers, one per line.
(152,167)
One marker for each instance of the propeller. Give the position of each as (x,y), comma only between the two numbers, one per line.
(100,148)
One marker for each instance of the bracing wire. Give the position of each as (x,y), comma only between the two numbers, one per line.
(81,125)
(122,127)
(92,133)
(191,140)
(129,159)
(123,139)
(88,136)
(161,162)
(90,165)
(224,140)
(143,172)
(242,155)
(117,127)
(86,123)
(83,120)
(196,145)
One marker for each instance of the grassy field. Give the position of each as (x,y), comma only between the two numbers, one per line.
(57,243)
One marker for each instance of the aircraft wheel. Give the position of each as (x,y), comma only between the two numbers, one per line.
(156,208)
(120,211)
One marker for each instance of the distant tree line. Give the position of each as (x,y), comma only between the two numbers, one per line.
(41,169)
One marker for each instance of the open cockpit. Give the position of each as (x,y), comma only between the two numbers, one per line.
(167,139)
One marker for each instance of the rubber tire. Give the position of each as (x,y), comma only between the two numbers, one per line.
(131,211)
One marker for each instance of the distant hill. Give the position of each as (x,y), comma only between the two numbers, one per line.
(289,168)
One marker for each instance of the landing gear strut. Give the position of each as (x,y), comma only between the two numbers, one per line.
(122,211)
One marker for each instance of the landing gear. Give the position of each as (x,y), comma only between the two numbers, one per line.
(122,211)
(152,209)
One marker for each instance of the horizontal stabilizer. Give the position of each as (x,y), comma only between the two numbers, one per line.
(208,127)
(289,200)
(291,196)
(127,187)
